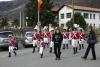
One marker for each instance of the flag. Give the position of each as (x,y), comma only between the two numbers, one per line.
(39,4)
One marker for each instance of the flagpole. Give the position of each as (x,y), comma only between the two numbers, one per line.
(38,21)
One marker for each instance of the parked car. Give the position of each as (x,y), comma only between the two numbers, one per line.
(28,39)
(4,40)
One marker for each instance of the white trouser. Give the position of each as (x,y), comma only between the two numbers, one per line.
(35,42)
(46,40)
(81,41)
(51,44)
(74,42)
(65,41)
(41,50)
(11,48)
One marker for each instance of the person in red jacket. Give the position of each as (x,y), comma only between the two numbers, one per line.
(46,37)
(11,45)
(36,38)
(65,35)
(75,40)
(81,40)
(41,47)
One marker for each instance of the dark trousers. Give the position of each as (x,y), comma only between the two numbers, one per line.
(33,49)
(57,51)
(92,47)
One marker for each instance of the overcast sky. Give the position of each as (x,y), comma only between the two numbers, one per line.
(5,0)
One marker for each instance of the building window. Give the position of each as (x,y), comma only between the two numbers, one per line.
(86,15)
(62,16)
(90,16)
(68,15)
(62,25)
(93,16)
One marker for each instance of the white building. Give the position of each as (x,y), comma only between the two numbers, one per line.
(91,15)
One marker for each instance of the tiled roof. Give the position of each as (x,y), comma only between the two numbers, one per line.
(85,8)
(55,8)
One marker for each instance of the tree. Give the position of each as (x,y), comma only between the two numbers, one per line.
(4,22)
(46,16)
(15,22)
(78,19)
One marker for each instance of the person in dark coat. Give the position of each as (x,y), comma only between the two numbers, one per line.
(91,45)
(57,38)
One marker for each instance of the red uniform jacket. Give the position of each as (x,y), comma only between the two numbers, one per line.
(82,36)
(36,36)
(75,35)
(65,35)
(70,35)
(12,42)
(46,34)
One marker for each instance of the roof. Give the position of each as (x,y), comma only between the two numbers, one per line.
(76,7)
(85,8)
(55,8)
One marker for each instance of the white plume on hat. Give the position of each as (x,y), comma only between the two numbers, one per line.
(36,27)
(45,27)
(51,29)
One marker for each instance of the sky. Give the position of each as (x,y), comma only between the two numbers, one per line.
(5,0)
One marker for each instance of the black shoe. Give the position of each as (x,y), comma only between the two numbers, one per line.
(56,58)
(93,59)
(83,57)
(59,59)
(9,54)
(67,46)
(41,56)
(15,53)
(33,51)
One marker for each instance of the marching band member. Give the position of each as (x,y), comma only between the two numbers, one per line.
(69,37)
(65,39)
(75,40)
(46,37)
(81,40)
(41,44)
(36,38)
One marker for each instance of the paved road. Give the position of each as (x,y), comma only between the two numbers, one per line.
(26,58)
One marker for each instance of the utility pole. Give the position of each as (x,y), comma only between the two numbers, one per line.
(73,10)
(20,18)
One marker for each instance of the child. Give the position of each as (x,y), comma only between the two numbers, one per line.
(41,47)
(11,46)
(34,44)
